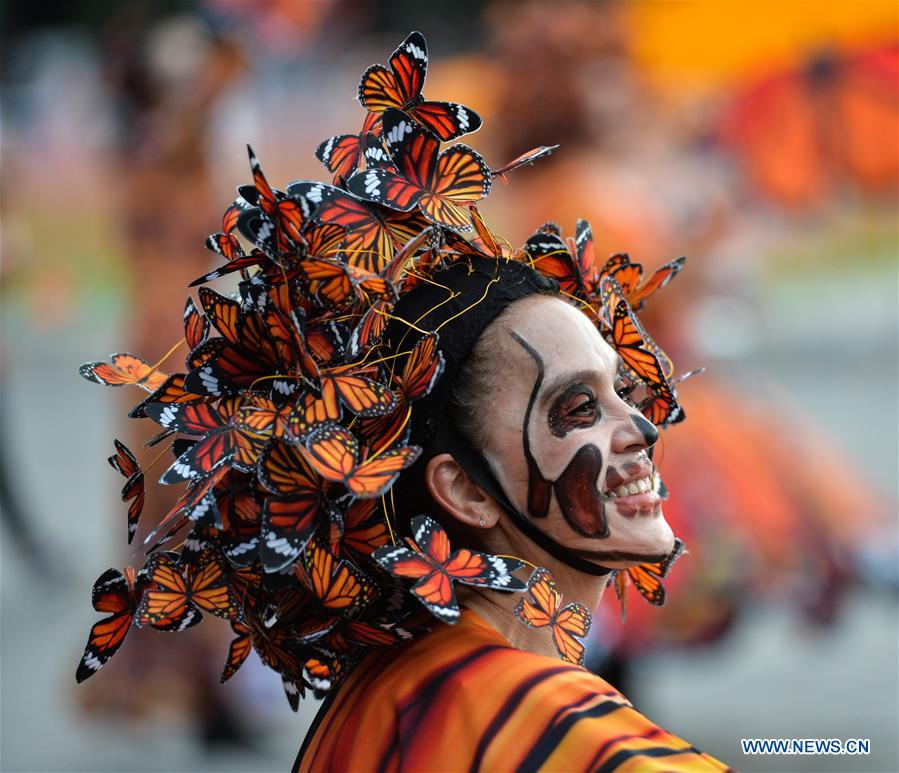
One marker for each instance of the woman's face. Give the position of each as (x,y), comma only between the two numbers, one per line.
(568,451)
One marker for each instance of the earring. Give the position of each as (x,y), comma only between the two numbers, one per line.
(482,523)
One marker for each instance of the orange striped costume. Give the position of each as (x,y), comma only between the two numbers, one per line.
(461,698)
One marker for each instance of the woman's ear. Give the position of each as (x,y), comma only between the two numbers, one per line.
(458,494)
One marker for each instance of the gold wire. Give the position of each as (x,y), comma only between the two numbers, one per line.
(168,354)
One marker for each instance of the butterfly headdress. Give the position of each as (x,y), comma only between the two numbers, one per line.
(298,406)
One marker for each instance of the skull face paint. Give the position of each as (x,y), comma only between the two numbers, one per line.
(560,438)
(576,488)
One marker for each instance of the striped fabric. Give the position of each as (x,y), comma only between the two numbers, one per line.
(461,698)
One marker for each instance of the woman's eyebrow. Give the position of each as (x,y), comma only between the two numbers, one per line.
(556,385)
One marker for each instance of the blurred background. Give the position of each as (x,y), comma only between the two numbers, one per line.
(757,138)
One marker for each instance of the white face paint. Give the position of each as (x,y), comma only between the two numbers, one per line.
(578,432)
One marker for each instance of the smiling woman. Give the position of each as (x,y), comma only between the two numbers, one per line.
(390,422)
(532,449)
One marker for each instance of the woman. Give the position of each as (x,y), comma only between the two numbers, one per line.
(532,400)
(372,344)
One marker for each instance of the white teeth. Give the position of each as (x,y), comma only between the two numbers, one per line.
(641,486)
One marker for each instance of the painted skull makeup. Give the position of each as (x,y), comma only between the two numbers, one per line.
(575,489)
(584,475)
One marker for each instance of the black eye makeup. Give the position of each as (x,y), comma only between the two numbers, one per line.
(574,408)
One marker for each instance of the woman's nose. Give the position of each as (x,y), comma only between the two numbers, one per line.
(633,433)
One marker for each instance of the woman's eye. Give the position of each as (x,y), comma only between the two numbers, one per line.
(585,407)
(573,411)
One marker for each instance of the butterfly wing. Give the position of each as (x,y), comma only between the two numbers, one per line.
(166,606)
(571,624)
(239,649)
(208,586)
(538,608)
(111,593)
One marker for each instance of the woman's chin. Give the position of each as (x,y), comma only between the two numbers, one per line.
(637,539)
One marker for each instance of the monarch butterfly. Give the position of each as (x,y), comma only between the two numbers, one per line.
(543,607)
(421,371)
(226,245)
(223,442)
(341,154)
(400,87)
(647,579)
(362,530)
(336,584)
(229,218)
(440,184)
(630,279)
(430,561)
(255,258)
(337,284)
(182,511)
(196,325)
(276,227)
(238,650)
(523,160)
(126,464)
(288,519)
(118,593)
(372,232)
(176,601)
(627,339)
(171,392)
(123,369)
(334,453)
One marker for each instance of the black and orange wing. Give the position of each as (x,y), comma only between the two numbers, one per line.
(542,606)
(124,369)
(336,584)
(238,650)
(171,392)
(550,256)
(647,578)
(196,326)
(165,606)
(113,592)
(627,339)
(361,395)
(363,530)
(208,587)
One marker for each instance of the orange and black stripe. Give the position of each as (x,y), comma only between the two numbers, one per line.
(461,698)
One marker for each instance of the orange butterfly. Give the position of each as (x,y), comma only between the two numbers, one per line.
(119,594)
(123,369)
(440,184)
(339,284)
(289,519)
(126,464)
(630,279)
(647,579)
(277,226)
(400,87)
(628,339)
(336,584)
(176,601)
(334,453)
(171,392)
(543,607)
(196,326)
(430,561)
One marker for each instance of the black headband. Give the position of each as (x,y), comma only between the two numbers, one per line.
(458,304)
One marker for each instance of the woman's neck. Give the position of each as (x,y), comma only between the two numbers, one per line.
(498,608)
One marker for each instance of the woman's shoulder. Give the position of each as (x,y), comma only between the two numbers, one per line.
(463,698)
